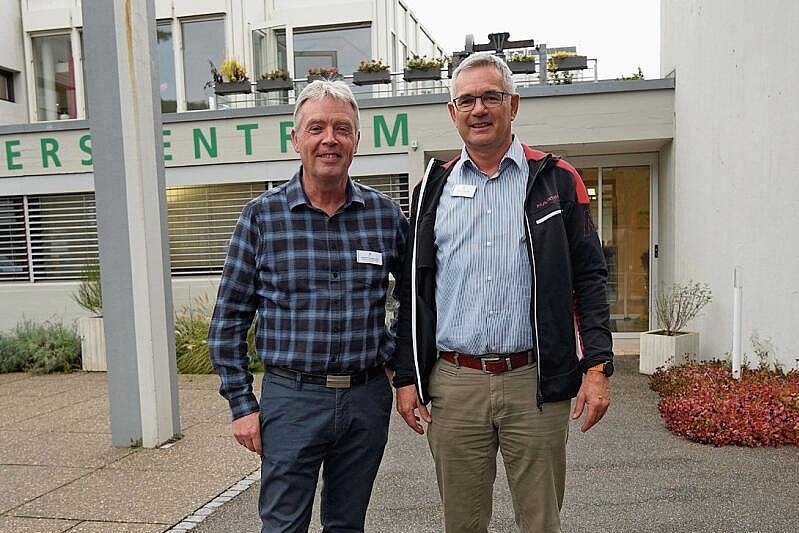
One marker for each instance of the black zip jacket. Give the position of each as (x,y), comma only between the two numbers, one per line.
(569,312)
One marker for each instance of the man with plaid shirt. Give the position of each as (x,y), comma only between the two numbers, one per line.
(310,260)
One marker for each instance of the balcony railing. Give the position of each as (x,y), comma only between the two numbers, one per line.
(397,87)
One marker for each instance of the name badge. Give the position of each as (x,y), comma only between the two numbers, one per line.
(367,257)
(464,190)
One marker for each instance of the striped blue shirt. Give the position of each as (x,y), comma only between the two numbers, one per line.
(483,281)
(318,283)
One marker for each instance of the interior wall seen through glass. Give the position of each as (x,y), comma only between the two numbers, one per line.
(343,48)
(54,70)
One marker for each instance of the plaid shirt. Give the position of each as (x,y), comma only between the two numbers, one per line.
(318,284)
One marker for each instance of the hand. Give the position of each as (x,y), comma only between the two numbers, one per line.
(247,431)
(595,391)
(407,406)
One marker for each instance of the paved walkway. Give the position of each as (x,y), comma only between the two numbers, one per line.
(59,472)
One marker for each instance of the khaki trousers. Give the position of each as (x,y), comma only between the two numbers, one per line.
(474,415)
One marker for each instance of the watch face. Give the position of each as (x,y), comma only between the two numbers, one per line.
(608,368)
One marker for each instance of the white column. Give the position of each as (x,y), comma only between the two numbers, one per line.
(125,123)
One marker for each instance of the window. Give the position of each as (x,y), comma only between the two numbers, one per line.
(54,71)
(331,47)
(201,220)
(395,186)
(166,67)
(13,246)
(63,234)
(6,85)
(203,40)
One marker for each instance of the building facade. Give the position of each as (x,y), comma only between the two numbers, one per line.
(665,210)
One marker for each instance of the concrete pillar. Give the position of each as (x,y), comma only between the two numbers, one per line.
(127,151)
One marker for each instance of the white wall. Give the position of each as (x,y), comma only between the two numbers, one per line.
(732,198)
(12,58)
(24,301)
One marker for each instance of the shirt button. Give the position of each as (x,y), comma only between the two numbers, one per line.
(489,278)
(488,212)
(335,275)
(488,243)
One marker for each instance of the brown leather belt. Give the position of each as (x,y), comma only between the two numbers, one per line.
(491,365)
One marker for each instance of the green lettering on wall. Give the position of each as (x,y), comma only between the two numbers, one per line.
(49,152)
(381,127)
(85,145)
(247,129)
(285,135)
(167,144)
(211,147)
(12,154)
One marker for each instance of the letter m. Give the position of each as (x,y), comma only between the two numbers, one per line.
(381,129)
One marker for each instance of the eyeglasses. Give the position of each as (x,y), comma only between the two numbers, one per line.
(489,99)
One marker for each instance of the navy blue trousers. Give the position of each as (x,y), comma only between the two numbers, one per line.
(306,427)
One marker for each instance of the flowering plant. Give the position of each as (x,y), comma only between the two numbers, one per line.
(328,73)
(424,62)
(232,70)
(277,74)
(521,57)
(374,65)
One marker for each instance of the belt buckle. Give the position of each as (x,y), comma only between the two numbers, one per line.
(338,381)
(484,360)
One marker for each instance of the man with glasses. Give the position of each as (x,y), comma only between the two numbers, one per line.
(503,316)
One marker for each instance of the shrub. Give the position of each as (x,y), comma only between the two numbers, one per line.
(89,294)
(191,339)
(521,57)
(327,73)
(678,304)
(40,349)
(704,403)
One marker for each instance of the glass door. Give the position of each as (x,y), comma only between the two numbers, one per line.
(620,208)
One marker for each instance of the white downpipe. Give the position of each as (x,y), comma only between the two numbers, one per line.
(736,323)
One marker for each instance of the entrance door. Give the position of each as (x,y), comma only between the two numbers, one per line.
(620,208)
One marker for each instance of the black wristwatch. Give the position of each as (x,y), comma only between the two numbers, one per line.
(603,368)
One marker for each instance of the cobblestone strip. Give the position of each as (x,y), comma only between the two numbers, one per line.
(191,521)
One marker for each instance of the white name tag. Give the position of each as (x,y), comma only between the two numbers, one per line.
(464,190)
(371,258)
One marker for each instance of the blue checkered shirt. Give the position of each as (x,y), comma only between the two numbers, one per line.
(315,283)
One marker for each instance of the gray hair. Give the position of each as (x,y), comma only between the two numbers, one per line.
(485,60)
(321,89)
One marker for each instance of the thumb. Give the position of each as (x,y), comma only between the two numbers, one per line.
(424,413)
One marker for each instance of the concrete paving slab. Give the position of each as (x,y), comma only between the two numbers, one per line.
(116,527)
(125,495)
(10,524)
(21,483)
(74,450)
(182,456)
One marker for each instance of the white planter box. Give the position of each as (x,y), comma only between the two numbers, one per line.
(659,350)
(92,343)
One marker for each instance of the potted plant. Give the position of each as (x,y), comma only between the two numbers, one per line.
(234,78)
(423,68)
(90,329)
(675,306)
(371,72)
(274,80)
(521,63)
(323,73)
(560,61)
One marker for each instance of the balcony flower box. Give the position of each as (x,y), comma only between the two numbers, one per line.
(570,63)
(522,67)
(278,84)
(371,78)
(420,74)
(233,87)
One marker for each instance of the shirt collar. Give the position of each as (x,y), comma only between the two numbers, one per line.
(515,154)
(295,195)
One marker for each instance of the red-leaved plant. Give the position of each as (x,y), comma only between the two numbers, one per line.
(704,403)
